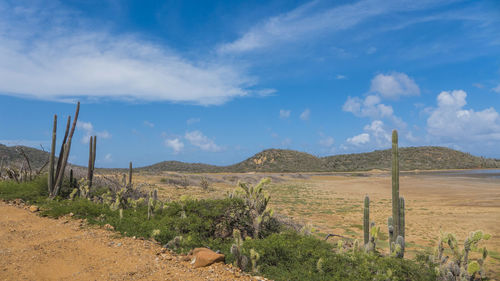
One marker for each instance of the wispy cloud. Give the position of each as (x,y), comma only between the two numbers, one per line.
(88,131)
(175,144)
(314,18)
(149,124)
(340,77)
(46,53)
(306,114)
(497,89)
(284,114)
(192,121)
(201,141)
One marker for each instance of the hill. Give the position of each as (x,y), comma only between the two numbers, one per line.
(282,160)
(11,155)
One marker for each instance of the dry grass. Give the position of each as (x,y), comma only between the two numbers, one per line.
(332,203)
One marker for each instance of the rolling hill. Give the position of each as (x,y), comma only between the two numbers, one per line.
(281,160)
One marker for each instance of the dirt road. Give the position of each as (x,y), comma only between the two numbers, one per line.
(37,248)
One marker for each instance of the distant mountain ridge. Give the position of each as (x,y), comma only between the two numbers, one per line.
(282,160)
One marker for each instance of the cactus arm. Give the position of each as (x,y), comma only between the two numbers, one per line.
(366,220)
(52,156)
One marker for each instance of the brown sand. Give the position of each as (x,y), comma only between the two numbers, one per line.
(36,248)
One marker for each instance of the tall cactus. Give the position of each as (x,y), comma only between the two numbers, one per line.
(130,174)
(52,155)
(395,185)
(396,223)
(366,220)
(56,176)
(92,154)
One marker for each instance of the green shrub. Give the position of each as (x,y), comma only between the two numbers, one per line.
(290,256)
(32,191)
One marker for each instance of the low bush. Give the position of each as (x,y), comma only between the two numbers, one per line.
(291,256)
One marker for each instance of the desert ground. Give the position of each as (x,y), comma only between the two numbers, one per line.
(37,248)
(333,203)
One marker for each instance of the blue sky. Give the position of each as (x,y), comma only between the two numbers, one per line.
(217,81)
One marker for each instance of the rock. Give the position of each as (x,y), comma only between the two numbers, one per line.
(34,208)
(70,214)
(108,227)
(201,257)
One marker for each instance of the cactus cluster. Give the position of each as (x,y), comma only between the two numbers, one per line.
(153,203)
(460,266)
(56,174)
(257,201)
(396,227)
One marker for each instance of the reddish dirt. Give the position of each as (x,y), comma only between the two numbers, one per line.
(38,248)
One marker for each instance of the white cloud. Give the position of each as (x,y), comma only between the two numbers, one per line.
(312,19)
(450,122)
(285,113)
(497,89)
(369,107)
(199,140)
(175,144)
(379,133)
(305,114)
(149,124)
(375,135)
(46,53)
(394,85)
(359,139)
(192,121)
(340,77)
(88,130)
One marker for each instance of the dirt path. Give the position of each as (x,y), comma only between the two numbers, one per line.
(37,248)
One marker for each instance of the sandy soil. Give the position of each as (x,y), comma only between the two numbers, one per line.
(36,248)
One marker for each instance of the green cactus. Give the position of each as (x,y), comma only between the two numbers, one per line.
(257,201)
(395,185)
(366,220)
(459,267)
(398,247)
(130,174)
(240,260)
(402,217)
(254,258)
(390,225)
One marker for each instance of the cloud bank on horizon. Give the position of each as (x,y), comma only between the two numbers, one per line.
(320,77)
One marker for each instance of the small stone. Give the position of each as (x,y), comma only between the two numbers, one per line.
(118,245)
(70,214)
(108,227)
(34,208)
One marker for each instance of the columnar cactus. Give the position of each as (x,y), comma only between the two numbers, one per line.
(396,223)
(130,174)
(56,176)
(52,156)
(92,153)
(395,184)
(366,220)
